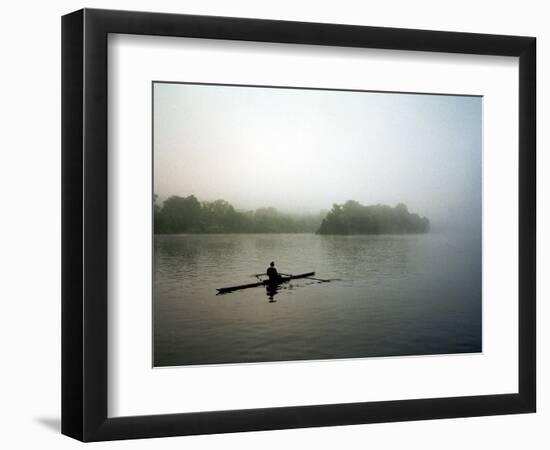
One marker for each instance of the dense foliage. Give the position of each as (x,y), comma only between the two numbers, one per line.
(189,215)
(354,218)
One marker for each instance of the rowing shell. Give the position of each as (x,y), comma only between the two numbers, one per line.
(264,283)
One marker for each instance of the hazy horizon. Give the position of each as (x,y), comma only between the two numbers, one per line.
(300,151)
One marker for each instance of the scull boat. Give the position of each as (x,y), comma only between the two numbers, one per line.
(284,279)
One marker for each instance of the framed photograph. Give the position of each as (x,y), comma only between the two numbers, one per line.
(272,224)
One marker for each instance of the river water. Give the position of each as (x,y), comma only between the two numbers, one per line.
(390,296)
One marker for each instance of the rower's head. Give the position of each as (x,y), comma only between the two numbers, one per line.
(272,264)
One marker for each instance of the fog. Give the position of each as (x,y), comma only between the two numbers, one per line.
(303,150)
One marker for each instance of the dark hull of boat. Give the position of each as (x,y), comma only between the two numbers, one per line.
(264,283)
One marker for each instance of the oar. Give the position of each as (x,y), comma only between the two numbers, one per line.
(319,279)
(257,275)
(323,280)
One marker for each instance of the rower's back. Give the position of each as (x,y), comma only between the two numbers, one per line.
(272,273)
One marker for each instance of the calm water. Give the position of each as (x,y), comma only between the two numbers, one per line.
(394,295)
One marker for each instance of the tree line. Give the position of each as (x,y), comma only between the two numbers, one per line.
(354,218)
(189,215)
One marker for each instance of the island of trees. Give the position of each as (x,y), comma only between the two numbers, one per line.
(354,218)
(189,215)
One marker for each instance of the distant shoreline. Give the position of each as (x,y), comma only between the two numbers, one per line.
(189,215)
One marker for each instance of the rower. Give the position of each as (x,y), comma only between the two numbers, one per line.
(272,273)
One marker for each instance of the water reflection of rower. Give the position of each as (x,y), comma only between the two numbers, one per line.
(271,290)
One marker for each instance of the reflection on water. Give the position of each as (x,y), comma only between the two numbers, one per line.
(271,291)
(394,295)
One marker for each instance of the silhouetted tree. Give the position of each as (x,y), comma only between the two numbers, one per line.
(182,215)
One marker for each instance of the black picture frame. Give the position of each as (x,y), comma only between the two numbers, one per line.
(84,224)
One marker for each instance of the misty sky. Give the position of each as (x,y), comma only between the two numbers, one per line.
(303,150)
